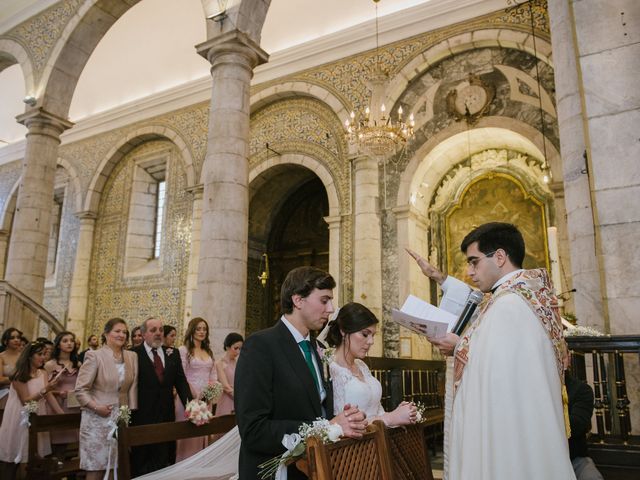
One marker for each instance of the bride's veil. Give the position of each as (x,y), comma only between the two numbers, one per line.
(219,461)
(322,336)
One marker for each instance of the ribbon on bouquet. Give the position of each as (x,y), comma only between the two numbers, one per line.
(112,439)
(24,431)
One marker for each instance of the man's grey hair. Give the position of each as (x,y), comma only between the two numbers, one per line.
(143,326)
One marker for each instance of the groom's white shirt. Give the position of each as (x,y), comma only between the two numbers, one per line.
(297,336)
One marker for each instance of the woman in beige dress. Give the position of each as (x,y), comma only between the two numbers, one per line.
(107,380)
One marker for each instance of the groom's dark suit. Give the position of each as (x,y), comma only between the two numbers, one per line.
(155,405)
(274,394)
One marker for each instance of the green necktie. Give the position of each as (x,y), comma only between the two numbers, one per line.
(306,348)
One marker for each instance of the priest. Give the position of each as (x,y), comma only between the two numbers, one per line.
(506,414)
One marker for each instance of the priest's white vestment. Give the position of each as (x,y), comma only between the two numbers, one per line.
(507,419)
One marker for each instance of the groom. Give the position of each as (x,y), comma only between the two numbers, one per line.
(279,382)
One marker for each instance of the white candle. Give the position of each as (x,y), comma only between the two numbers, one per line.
(554,258)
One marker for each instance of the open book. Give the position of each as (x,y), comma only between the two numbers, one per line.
(423,318)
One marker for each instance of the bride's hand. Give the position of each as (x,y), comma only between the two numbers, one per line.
(404,414)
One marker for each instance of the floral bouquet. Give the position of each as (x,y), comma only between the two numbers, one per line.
(124,415)
(421,412)
(28,408)
(296,444)
(211,393)
(197,412)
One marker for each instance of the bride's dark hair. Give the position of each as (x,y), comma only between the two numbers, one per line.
(351,318)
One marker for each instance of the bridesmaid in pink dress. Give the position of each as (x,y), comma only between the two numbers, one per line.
(64,362)
(226,368)
(28,383)
(199,367)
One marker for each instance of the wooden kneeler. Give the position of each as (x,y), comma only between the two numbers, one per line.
(350,459)
(408,453)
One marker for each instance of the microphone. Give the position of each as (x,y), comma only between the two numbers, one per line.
(475,297)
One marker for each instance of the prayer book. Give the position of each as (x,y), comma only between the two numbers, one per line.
(423,318)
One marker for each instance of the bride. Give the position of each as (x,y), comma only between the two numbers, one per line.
(351,333)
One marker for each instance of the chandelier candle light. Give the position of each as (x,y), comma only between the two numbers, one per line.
(376,133)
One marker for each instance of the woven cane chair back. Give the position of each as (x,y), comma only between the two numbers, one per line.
(408,452)
(363,459)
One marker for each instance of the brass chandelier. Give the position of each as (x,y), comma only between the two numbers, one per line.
(374,132)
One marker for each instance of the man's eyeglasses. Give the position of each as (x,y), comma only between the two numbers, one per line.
(473,261)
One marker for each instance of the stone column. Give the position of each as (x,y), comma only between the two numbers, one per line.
(194,254)
(581,217)
(367,245)
(334,223)
(28,248)
(79,290)
(222,271)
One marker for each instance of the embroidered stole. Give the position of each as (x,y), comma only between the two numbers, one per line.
(534,287)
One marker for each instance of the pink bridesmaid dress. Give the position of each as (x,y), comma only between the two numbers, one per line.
(14,437)
(225,404)
(199,373)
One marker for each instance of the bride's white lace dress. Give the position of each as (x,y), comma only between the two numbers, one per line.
(364,392)
(219,461)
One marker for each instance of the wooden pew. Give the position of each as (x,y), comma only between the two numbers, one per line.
(407,451)
(50,468)
(164,432)
(349,459)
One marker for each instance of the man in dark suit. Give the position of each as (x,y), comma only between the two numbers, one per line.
(279,382)
(159,372)
(580,412)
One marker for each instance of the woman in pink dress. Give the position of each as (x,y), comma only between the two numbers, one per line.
(12,343)
(28,383)
(64,362)
(226,368)
(199,368)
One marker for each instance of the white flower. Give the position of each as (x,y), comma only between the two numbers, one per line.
(291,440)
(334,432)
(418,417)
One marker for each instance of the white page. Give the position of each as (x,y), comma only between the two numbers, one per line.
(423,318)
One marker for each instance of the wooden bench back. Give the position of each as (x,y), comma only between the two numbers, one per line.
(407,450)
(49,468)
(350,459)
(164,432)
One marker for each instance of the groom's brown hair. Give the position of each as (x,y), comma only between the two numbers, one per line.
(302,281)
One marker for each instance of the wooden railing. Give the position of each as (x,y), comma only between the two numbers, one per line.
(600,361)
(417,381)
(22,312)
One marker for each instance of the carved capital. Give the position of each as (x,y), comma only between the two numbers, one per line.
(235,44)
(41,122)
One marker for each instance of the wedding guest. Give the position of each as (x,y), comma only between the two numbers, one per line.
(199,367)
(226,369)
(92,344)
(48,347)
(351,333)
(170,333)
(28,384)
(64,364)
(12,343)
(107,380)
(136,337)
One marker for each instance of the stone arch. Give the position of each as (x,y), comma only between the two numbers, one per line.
(12,53)
(305,161)
(492,37)
(126,145)
(6,216)
(93,19)
(455,142)
(431,162)
(75,180)
(296,89)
